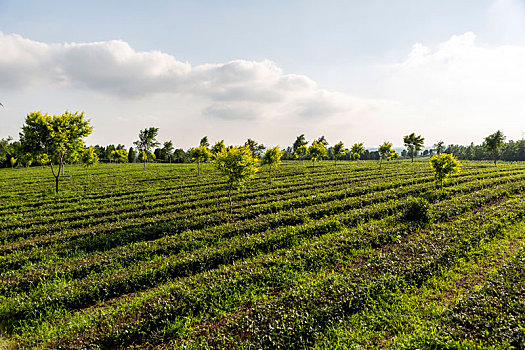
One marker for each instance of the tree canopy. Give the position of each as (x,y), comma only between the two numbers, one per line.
(316,151)
(200,154)
(357,149)
(386,152)
(444,165)
(338,150)
(493,144)
(272,158)
(238,165)
(146,142)
(414,144)
(58,136)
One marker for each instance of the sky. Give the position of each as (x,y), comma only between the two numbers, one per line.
(353,71)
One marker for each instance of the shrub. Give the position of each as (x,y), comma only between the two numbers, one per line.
(416,209)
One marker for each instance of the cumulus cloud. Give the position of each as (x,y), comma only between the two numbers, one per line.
(236,90)
(458,91)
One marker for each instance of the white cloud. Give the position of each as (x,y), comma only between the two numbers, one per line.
(458,91)
(238,89)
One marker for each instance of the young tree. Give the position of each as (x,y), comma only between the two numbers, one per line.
(414,144)
(6,149)
(238,165)
(89,158)
(257,149)
(301,151)
(13,161)
(26,159)
(132,155)
(356,150)
(440,147)
(272,158)
(146,142)
(42,159)
(338,151)
(204,142)
(386,152)
(167,149)
(316,151)
(198,155)
(119,156)
(218,147)
(322,141)
(58,136)
(300,141)
(444,165)
(493,144)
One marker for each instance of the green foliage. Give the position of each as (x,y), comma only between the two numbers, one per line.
(218,147)
(440,147)
(338,150)
(301,151)
(414,144)
(416,209)
(146,142)
(493,144)
(443,166)
(272,158)
(356,150)
(204,142)
(256,148)
(300,141)
(61,137)
(386,152)
(89,157)
(119,156)
(200,154)
(238,165)
(316,151)
(13,161)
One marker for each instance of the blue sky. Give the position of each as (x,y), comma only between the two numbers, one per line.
(354,71)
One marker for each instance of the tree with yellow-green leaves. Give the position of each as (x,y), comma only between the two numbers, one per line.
(238,165)
(316,151)
(57,136)
(198,155)
(386,152)
(89,158)
(443,166)
(272,158)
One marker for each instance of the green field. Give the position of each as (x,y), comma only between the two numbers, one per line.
(319,258)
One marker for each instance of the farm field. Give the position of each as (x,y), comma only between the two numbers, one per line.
(324,257)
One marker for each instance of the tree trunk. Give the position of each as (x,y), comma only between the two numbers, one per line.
(144,164)
(198,168)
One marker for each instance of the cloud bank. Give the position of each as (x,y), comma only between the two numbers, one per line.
(458,91)
(235,90)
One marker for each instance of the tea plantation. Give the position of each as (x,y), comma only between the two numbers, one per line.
(346,256)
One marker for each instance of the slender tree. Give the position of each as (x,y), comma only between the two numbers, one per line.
(316,151)
(300,141)
(89,158)
(204,142)
(146,142)
(338,151)
(493,144)
(257,149)
(58,136)
(238,165)
(440,147)
(218,147)
(132,155)
(272,158)
(356,150)
(167,150)
(444,165)
(198,155)
(414,144)
(119,156)
(386,152)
